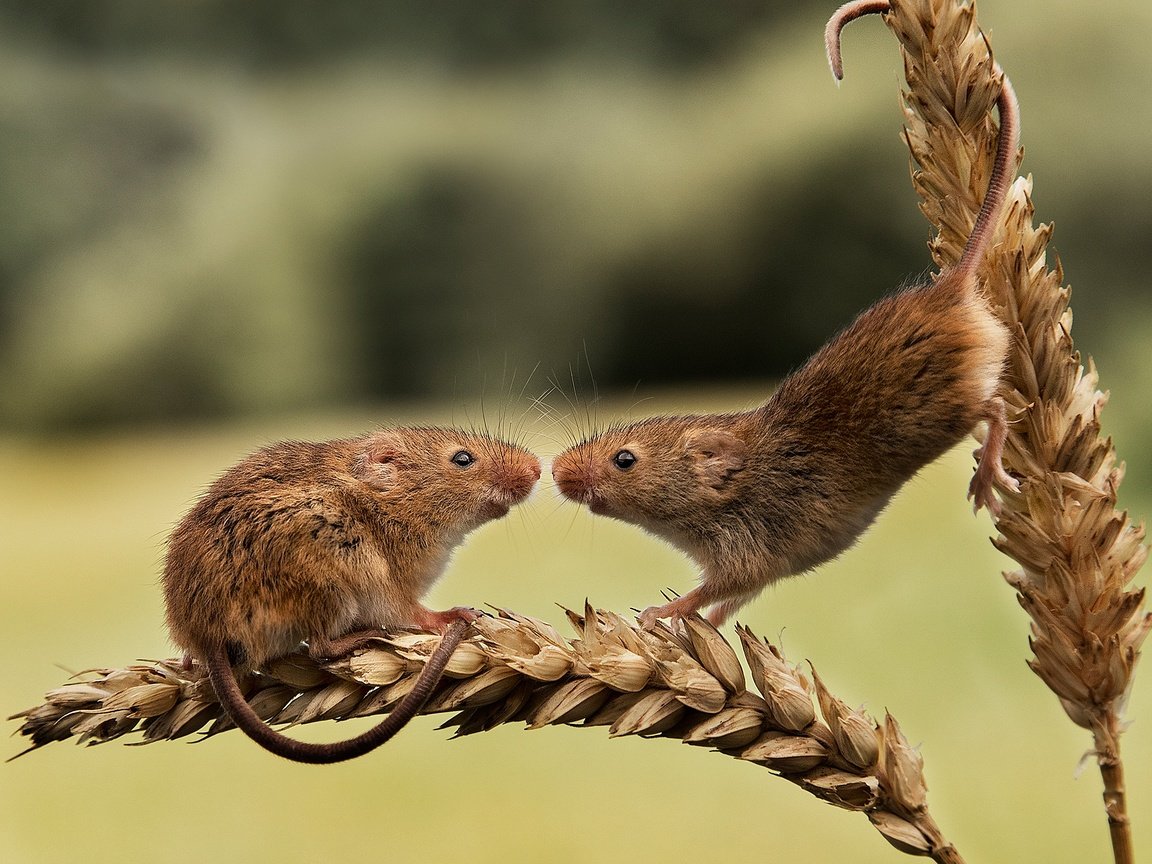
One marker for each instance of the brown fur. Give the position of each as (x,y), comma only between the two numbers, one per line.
(313,541)
(756,496)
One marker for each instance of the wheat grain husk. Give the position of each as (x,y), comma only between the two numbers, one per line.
(695,692)
(1077,552)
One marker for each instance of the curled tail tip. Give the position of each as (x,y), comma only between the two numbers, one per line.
(847,13)
(832,54)
(832,46)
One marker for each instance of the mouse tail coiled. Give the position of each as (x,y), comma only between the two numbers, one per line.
(251,724)
(843,16)
(1006,149)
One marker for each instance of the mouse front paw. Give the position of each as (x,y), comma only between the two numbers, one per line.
(677,611)
(650,616)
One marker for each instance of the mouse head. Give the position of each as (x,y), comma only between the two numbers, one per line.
(661,473)
(445,476)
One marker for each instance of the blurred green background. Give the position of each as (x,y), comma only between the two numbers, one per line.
(230,223)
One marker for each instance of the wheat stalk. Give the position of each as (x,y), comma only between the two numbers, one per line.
(1077,553)
(689,686)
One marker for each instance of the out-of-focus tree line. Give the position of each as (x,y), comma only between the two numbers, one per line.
(221,207)
(293,34)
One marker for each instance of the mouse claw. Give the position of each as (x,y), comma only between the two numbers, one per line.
(981,495)
(987,501)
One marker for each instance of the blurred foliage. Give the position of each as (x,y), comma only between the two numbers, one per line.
(221,208)
(287,34)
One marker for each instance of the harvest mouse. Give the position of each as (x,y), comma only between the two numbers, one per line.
(327,542)
(759,495)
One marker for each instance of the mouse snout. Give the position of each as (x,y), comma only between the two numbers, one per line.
(574,476)
(516,479)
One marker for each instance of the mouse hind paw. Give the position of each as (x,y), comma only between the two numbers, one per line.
(322,648)
(989,476)
(438,622)
(990,472)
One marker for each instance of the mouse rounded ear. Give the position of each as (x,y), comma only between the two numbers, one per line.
(376,462)
(716,455)
(383,447)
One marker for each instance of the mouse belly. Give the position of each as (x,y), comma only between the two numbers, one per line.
(831,537)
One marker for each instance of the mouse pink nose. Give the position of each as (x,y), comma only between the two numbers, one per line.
(573,477)
(518,480)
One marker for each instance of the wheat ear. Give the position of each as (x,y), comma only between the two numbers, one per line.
(1077,553)
(689,686)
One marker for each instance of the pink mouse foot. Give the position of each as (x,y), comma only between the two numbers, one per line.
(438,622)
(676,611)
(990,471)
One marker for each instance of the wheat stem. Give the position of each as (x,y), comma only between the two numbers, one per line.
(943,851)
(1115,798)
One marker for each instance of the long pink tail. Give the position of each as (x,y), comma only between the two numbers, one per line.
(1006,147)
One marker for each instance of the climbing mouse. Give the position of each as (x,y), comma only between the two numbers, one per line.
(327,542)
(759,495)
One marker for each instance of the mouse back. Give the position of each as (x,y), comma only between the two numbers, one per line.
(902,384)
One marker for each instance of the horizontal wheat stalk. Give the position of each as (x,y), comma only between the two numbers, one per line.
(688,686)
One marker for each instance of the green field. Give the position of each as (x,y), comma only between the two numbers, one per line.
(915,620)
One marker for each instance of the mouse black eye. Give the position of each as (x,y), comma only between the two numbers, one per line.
(462,459)
(624,460)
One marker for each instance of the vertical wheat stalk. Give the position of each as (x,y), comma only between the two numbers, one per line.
(1077,553)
